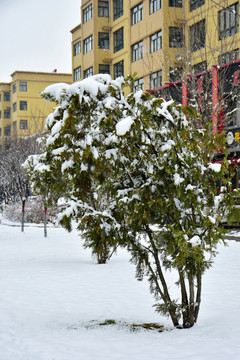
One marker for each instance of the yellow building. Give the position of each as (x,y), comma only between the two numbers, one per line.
(160,40)
(22,110)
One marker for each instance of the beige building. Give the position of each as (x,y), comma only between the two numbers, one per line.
(160,40)
(22,110)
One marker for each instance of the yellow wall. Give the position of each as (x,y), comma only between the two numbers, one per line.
(4,105)
(165,58)
(37,108)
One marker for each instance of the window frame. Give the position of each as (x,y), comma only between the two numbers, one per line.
(7,96)
(104,71)
(225,17)
(177,76)
(138,84)
(154,79)
(118,40)
(103,9)
(7,114)
(118,69)
(14,127)
(117,9)
(88,44)
(88,72)
(175,3)
(7,130)
(23,86)
(228,56)
(195,4)
(154,5)
(156,41)
(198,43)
(87,13)
(137,51)
(176,40)
(199,67)
(77,73)
(77,48)
(137,13)
(102,40)
(23,105)
(23,125)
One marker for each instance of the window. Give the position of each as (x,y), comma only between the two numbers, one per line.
(77,73)
(118,40)
(175,37)
(77,48)
(103,8)
(156,41)
(88,72)
(7,130)
(88,44)
(175,3)
(7,96)
(200,67)
(0,131)
(138,85)
(0,114)
(194,4)
(137,13)
(228,56)
(104,69)
(7,113)
(23,124)
(118,69)
(14,127)
(22,86)
(228,21)
(14,106)
(14,88)
(87,13)
(103,40)
(0,97)
(23,105)
(137,51)
(156,80)
(197,35)
(175,74)
(154,5)
(117,9)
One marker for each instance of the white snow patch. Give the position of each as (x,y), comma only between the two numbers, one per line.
(195,240)
(53,294)
(177,179)
(67,164)
(215,167)
(124,125)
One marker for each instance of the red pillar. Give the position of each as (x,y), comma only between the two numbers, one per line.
(184,92)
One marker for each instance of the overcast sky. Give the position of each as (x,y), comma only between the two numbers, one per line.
(35,35)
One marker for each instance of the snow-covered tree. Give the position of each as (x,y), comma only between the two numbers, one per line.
(135,172)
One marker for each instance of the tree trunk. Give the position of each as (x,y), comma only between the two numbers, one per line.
(45,221)
(23,210)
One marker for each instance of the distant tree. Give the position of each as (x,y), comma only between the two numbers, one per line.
(13,180)
(136,173)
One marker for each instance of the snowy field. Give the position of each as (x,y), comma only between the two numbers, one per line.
(52,294)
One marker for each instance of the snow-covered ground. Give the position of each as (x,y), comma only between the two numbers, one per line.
(52,294)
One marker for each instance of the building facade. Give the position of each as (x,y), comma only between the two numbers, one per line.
(160,40)
(22,110)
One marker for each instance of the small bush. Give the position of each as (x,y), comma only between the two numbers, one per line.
(34,211)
